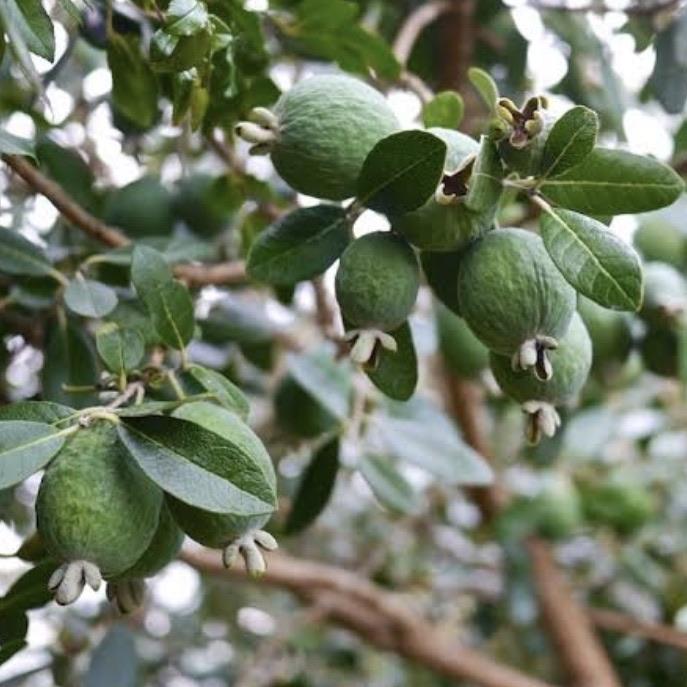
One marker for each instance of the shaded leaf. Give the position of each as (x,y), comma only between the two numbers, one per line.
(186,17)
(14,145)
(389,486)
(114,662)
(89,298)
(20,256)
(35,411)
(315,488)
(485,86)
(445,110)
(227,393)
(570,140)
(486,183)
(36,27)
(120,348)
(396,372)
(30,590)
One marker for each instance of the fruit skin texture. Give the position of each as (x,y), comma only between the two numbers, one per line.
(217,530)
(95,504)
(463,352)
(510,291)
(142,208)
(572,361)
(298,412)
(162,549)
(437,227)
(327,126)
(377,281)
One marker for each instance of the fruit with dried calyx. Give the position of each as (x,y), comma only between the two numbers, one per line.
(514,299)
(96,511)
(376,287)
(320,133)
(571,364)
(463,352)
(127,590)
(444,223)
(236,534)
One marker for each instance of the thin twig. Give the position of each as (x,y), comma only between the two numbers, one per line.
(615,621)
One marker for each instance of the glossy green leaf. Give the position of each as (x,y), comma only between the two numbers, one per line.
(35,411)
(197,466)
(401,172)
(21,42)
(389,486)
(300,245)
(114,662)
(186,17)
(89,298)
(227,393)
(9,648)
(570,140)
(323,378)
(485,86)
(120,348)
(595,261)
(168,301)
(445,110)
(612,182)
(30,590)
(14,145)
(36,27)
(20,256)
(315,488)
(486,183)
(25,447)
(419,433)
(395,373)
(134,86)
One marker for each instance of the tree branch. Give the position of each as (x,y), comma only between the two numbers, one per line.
(194,275)
(415,23)
(375,615)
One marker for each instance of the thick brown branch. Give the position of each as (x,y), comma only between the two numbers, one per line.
(376,616)
(614,621)
(194,275)
(458,36)
(415,23)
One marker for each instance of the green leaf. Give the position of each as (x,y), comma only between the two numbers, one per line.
(389,486)
(134,86)
(36,27)
(35,411)
(89,298)
(186,17)
(486,183)
(595,261)
(445,110)
(12,647)
(324,379)
(20,256)
(168,301)
(419,433)
(25,447)
(18,38)
(570,140)
(401,172)
(13,145)
(197,466)
(668,80)
(396,372)
(315,488)
(30,590)
(114,663)
(69,361)
(120,348)
(299,246)
(228,394)
(485,86)
(613,182)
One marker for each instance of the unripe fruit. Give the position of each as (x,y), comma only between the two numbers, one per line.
(320,133)
(236,534)
(463,352)
(200,204)
(658,240)
(660,350)
(571,363)
(96,507)
(558,511)
(514,299)
(448,225)
(665,294)
(142,208)
(298,412)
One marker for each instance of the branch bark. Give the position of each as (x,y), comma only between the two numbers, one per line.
(194,275)
(415,23)
(375,615)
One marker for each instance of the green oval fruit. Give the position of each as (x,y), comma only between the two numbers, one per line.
(202,205)
(95,504)
(441,272)
(660,350)
(326,126)
(463,352)
(514,298)
(665,294)
(162,549)
(558,509)
(610,333)
(142,208)
(619,503)
(377,282)
(571,362)
(217,530)
(658,240)
(444,227)
(298,412)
